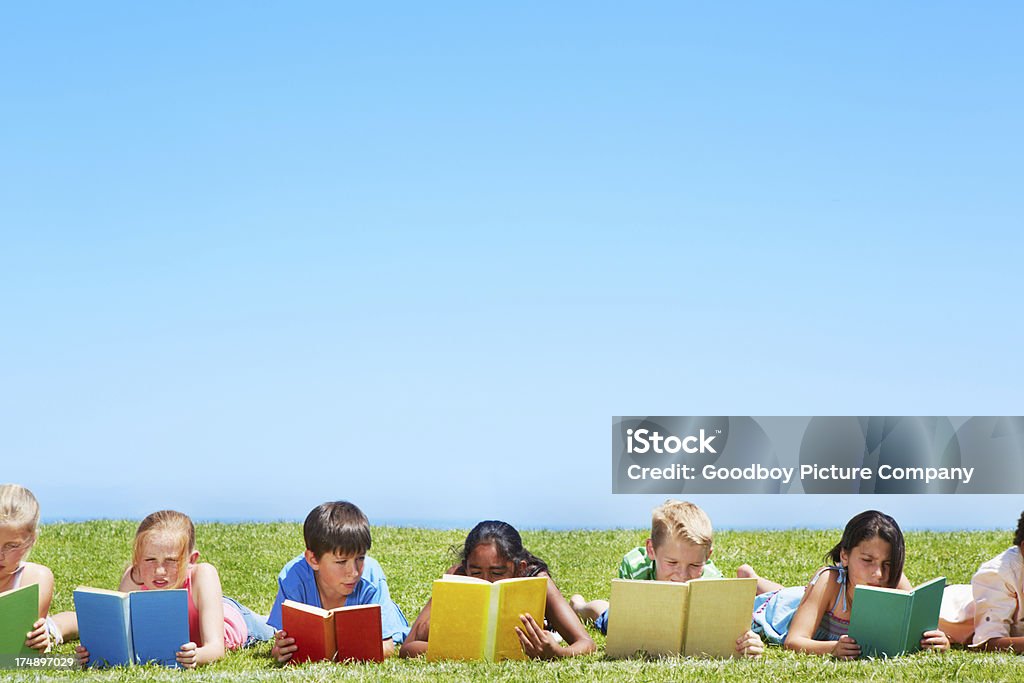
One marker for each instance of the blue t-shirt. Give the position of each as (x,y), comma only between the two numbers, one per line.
(297,581)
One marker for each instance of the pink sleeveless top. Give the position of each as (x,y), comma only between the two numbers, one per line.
(235,630)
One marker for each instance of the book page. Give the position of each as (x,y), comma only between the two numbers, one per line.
(719,613)
(463,579)
(104,626)
(924,611)
(313,631)
(878,621)
(19,609)
(646,617)
(358,634)
(458,618)
(159,625)
(515,597)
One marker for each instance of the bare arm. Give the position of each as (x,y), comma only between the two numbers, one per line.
(564,620)
(206,592)
(38,638)
(1013,643)
(808,615)
(127,582)
(416,642)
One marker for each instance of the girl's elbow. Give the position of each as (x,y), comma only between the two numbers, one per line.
(412,648)
(588,646)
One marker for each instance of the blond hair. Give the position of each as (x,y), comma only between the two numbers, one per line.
(681,521)
(18,508)
(174,524)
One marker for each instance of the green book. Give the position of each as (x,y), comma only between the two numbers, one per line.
(887,622)
(19,609)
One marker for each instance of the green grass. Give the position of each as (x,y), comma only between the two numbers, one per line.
(248,557)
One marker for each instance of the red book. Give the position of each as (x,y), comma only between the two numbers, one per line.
(357,632)
(345,633)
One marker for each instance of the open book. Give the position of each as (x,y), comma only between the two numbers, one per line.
(19,609)
(132,628)
(887,622)
(474,619)
(345,633)
(703,617)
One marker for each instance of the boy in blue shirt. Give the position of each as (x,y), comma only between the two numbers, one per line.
(334,571)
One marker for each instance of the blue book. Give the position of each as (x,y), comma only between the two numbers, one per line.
(120,629)
(159,625)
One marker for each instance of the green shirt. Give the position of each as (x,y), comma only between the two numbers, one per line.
(636,565)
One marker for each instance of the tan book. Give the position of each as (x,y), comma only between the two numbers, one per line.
(700,618)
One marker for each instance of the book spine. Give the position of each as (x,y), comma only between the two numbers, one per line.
(126,609)
(909,641)
(686,620)
(491,635)
(330,638)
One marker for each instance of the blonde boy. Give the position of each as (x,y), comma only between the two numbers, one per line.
(679,549)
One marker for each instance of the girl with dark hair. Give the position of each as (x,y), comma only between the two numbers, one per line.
(493,551)
(816,619)
(507,542)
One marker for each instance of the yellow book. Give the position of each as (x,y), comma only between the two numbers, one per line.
(476,620)
(701,618)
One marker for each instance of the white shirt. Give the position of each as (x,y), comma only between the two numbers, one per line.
(997,588)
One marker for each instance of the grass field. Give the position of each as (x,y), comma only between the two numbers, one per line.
(248,557)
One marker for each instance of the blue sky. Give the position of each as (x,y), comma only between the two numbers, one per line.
(256,257)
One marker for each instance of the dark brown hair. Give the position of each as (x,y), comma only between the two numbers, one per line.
(336,527)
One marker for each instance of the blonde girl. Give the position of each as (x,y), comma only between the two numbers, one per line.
(19,523)
(163,557)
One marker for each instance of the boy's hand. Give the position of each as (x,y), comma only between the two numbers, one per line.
(537,643)
(284,647)
(82,655)
(38,638)
(935,640)
(187,656)
(750,645)
(846,648)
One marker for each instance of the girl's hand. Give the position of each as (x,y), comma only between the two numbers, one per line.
(846,648)
(935,640)
(82,655)
(537,643)
(284,647)
(38,638)
(187,656)
(749,645)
